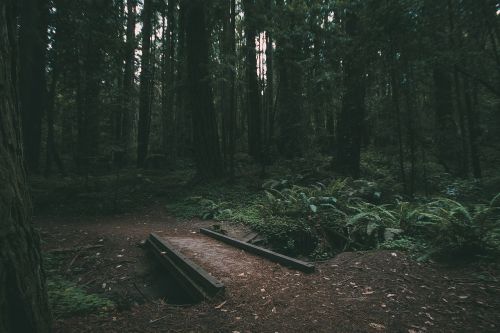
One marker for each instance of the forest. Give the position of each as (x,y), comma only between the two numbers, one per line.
(250,166)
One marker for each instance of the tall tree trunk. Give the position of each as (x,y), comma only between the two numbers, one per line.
(292,119)
(23,296)
(127,114)
(351,118)
(252,84)
(33,45)
(446,137)
(395,94)
(205,137)
(269,92)
(183,116)
(228,107)
(52,152)
(90,86)
(473,126)
(168,80)
(145,86)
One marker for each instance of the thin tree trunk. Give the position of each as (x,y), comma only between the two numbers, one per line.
(33,45)
(145,87)
(473,126)
(395,85)
(228,91)
(127,114)
(252,84)
(52,152)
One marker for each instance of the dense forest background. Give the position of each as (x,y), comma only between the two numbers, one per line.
(411,84)
(319,126)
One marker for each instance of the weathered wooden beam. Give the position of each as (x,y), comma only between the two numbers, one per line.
(273,256)
(196,281)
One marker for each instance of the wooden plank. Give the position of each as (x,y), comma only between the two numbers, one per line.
(197,282)
(273,256)
(251,236)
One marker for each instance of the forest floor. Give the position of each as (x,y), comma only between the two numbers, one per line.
(372,291)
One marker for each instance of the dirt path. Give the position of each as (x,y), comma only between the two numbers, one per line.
(376,291)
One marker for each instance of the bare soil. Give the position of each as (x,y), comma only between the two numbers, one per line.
(375,291)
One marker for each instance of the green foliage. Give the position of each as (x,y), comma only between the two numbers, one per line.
(67,299)
(326,218)
(453,228)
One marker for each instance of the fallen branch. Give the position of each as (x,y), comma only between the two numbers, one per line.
(140,292)
(75,249)
(157,319)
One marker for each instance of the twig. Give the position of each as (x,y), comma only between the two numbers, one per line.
(72,261)
(140,292)
(73,249)
(157,319)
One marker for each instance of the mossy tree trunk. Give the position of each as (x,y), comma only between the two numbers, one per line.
(23,296)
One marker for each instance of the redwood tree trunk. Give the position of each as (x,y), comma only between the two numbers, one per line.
(23,296)
(205,136)
(351,118)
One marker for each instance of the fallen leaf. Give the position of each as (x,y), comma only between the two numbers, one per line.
(378,327)
(220,305)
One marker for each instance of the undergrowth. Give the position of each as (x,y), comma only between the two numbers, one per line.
(66,298)
(323,219)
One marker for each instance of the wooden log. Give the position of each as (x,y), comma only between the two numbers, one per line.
(273,256)
(196,281)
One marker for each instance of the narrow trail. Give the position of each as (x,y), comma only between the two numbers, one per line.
(376,291)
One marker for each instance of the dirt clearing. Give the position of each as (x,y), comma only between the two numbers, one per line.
(376,291)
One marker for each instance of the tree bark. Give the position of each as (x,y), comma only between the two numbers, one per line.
(252,84)
(228,107)
(445,136)
(205,131)
(168,80)
(91,58)
(52,152)
(145,87)
(127,114)
(32,53)
(23,296)
(351,118)
(289,52)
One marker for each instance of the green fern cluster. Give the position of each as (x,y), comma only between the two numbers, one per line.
(452,228)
